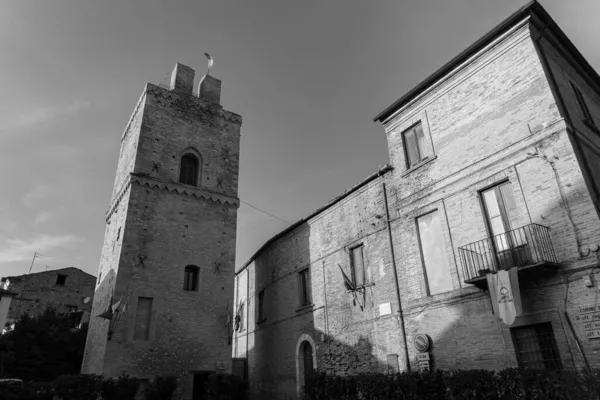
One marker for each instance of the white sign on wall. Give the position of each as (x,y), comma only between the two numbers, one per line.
(385,308)
(588,318)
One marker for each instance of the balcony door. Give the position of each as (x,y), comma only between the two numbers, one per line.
(503,220)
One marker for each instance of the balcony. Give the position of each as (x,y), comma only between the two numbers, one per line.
(525,248)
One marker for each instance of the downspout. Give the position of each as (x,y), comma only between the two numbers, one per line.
(400,313)
(326,318)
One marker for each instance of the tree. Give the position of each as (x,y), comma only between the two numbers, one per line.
(42,348)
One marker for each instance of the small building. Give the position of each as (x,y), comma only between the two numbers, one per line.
(67,290)
(494,173)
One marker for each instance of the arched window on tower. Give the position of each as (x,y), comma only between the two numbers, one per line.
(190,278)
(188,172)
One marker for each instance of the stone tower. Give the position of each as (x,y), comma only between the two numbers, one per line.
(167,264)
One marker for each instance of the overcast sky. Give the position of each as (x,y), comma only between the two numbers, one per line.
(307,77)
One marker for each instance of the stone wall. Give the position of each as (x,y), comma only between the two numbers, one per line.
(37,291)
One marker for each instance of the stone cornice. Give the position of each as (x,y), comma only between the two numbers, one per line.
(172,187)
(185,190)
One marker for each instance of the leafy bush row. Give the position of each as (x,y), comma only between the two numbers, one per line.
(92,387)
(507,384)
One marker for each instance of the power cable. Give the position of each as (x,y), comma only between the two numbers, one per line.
(268,213)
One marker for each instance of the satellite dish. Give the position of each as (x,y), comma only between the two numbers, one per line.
(86,300)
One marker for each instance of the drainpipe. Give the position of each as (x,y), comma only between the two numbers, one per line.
(400,313)
(326,318)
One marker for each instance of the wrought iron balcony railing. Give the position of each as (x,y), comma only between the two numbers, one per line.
(528,245)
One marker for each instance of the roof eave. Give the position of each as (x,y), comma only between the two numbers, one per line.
(505,25)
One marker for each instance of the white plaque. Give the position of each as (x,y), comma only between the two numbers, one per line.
(385,308)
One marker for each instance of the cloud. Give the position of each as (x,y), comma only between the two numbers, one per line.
(14,250)
(37,195)
(44,216)
(45,114)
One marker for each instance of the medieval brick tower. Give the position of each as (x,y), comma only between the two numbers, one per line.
(167,261)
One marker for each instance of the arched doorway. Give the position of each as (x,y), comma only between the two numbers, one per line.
(306,362)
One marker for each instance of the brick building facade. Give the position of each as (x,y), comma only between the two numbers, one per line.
(494,166)
(67,290)
(165,281)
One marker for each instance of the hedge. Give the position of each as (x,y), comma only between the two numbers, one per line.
(507,384)
(91,387)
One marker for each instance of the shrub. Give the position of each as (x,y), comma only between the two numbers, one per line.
(509,384)
(78,387)
(162,388)
(225,387)
(123,388)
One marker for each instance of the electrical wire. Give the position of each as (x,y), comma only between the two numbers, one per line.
(263,211)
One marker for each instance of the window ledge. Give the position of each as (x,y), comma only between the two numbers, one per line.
(591,125)
(419,165)
(308,307)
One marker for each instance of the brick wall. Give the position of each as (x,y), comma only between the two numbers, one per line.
(158,227)
(36,292)
(492,120)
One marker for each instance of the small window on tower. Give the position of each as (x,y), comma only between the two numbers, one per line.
(190,278)
(188,173)
(61,279)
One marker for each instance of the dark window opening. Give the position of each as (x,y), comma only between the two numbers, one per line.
(199,385)
(585,111)
(188,174)
(261,305)
(358,266)
(304,291)
(536,347)
(61,279)
(415,148)
(190,278)
(239,368)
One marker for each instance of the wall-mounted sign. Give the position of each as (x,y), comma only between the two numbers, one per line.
(423,357)
(588,318)
(385,309)
(421,342)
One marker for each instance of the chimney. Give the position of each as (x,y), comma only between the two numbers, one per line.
(209,89)
(182,79)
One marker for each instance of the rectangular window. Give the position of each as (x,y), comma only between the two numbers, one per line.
(415,147)
(261,305)
(585,111)
(190,278)
(357,262)
(304,287)
(142,319)
(511,244)
(61,279)
(433,253)
(535,347)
